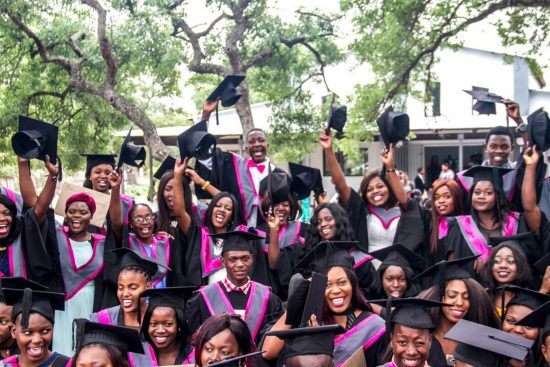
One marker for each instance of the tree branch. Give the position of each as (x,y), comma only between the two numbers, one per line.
(72,42)
(104,44)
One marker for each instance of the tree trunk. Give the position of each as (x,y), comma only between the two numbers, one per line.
(243,109)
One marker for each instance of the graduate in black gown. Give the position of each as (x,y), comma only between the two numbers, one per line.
(540,318)
(236,293)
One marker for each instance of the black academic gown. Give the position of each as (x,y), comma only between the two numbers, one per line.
(436,358)
(192,266)
(412,229)
(196,311)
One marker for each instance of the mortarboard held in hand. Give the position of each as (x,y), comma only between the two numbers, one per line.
(196,142)
(35,139)
(338,115)
(125,339)
(483,346)
(393,126)
(227,92)
(485,101)
(306,299)
(538,130)
(305,180)
(166,166)
(131,154)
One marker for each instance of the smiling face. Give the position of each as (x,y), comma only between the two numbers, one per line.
(326,225)
(130,285)
(6,220)
(93,356)
(6,325)
(221,346)
(78,217)
(238,265)
(410,346)
(514,313)
(282,211)
(256,146)
(339,291)
(142,222)
(377,193)
(168,194)
(484,196)
(222,213)
(504,266)
(498,148)
(163,327)
(98,176)
(456,294)
(443,201)
(394,281)
(34,340)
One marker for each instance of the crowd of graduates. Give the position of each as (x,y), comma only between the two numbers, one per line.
(377,277)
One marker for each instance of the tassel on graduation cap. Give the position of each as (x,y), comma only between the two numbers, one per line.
(26,305)
(78,333)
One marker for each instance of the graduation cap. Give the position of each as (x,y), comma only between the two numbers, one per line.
(538,130)
(227,92)
(305,180)
(480,345)
(448,270)
(174,297)
(308,340)
(328,254)
(237,240)
(93,160)
(123,338)
(127,257)
(27,301)
(131,154)
(411,312)
(235,361)
(539,318)
(525,297)
(485,101)
(486,173)
(166,166)
(21,283)
(338,115)
(277,185)
(196,142)
(307,299)
(393,126)
(35,139)
(543,263)
(398,255)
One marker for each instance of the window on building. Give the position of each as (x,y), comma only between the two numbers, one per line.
(436,98)
(349,169)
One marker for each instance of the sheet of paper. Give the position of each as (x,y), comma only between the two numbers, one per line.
(102,202)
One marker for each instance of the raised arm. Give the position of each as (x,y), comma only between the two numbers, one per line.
(182,217)
(46,196)
(395,185)
(336,173)
(115,208)
(26,186)
(201,182)
(208,107)
(513,112)
(531,210)
(273,249)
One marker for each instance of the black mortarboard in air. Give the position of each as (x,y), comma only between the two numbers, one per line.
(227,92)
(238,240)
(486,173)
(538,130)
(480,345)
(485,101)
(445,271)
(308,340)
(399,255)
(236,361)
(127,257)
(35,139)
(93,160)
(338,115)
(393,126)
(196,142)
(539,318)
(175,297)
(27,301)
(525,297)
(327,254)
(166,166)
(131,154)
(305,180)
(123,338)
(411,312)
(277,186)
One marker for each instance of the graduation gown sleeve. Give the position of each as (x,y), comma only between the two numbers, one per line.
(192,270)
(196,313)
(357,214)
